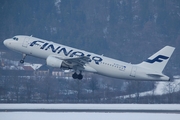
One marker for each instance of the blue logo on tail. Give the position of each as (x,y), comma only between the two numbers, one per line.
(159,58)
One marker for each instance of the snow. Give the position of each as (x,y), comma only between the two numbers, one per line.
(89,115)
(34,66)
(93,106)
(57,4)
(86,116)
(161,89)
(164,87)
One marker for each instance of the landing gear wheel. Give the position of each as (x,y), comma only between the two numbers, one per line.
(80,76)
(77,76)
(21,61)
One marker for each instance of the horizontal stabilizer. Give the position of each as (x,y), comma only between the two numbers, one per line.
(155,75)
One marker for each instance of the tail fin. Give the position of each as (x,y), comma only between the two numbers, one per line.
(158,61)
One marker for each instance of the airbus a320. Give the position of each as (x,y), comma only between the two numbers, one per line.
(62,56)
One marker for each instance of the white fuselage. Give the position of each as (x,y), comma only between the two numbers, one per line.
(98,64)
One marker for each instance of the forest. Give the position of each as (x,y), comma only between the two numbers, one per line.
(130,31)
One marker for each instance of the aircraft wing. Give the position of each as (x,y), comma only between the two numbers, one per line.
(75,63)
(79,61)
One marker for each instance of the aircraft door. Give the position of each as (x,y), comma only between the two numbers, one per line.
(25,42)
(133,71)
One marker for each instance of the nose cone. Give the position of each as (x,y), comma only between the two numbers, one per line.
(5,42)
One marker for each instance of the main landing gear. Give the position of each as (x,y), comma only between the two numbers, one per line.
(77,76)
(22,60)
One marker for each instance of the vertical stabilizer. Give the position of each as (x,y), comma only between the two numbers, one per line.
(158,61)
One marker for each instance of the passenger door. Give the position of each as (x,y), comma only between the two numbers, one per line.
(25,42)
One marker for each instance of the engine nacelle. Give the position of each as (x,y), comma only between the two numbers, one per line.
(54,62)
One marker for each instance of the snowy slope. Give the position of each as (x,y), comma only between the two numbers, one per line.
(161,89)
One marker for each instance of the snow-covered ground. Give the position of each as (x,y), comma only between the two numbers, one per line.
(89,116)
(160,89)
(86,116)
(93,106)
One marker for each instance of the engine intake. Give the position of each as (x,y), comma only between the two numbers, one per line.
(54,62)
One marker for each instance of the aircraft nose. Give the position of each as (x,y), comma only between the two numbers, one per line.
(5,42)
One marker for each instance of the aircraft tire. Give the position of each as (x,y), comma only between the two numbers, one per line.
(75,76)
(21,61)
(80,76)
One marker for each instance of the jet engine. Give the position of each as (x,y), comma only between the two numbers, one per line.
(54,62)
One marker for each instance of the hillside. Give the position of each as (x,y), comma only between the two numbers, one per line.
(127,30)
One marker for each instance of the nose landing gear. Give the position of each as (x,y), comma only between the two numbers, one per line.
(22,60)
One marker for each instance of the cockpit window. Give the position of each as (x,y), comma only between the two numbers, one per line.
(15,38)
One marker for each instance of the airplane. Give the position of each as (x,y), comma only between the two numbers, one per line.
(64,57)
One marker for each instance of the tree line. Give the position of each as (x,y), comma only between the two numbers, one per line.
(92,89)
